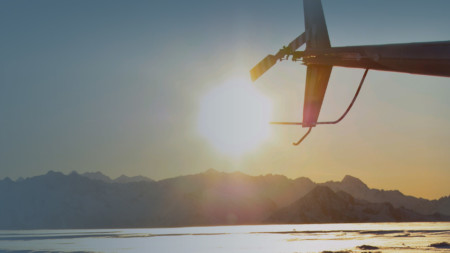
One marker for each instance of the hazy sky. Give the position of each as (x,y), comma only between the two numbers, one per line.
(117,87)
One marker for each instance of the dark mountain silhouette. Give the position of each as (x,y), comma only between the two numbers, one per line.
(97,176)
(280,189)
(358,189)
(55,200)
(122,179)
(323,205)
(126,179)
(93,200)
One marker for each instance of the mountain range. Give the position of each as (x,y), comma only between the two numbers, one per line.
(93,200)
(323,205)
(121,179)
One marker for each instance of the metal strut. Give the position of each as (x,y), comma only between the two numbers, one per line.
(304,136)
(328,122)
(350,105)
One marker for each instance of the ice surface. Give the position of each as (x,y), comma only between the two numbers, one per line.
(388,237)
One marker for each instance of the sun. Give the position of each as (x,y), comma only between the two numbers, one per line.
(234,117)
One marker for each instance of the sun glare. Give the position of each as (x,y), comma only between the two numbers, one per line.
(234,117)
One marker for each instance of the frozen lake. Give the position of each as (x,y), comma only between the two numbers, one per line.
(388,237)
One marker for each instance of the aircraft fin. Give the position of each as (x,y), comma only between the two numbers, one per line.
(315,26)
(317,77)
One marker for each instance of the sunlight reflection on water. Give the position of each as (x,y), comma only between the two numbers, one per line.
(389,237)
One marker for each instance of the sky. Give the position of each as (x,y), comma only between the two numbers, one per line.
(150,88)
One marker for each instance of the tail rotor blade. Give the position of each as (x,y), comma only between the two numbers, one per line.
(270,60)
(263,66)
(298,42)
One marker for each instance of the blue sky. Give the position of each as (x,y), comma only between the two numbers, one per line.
(114,86)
